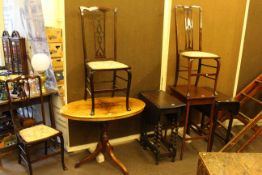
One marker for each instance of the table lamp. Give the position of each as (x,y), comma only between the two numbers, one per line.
(40,63)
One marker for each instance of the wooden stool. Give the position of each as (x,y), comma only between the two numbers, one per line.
(159,104)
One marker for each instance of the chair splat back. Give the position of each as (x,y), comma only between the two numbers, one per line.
(20,95)
(99,35)
(188,27)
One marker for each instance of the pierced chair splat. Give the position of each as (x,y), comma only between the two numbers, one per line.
(99,33)
(30,124)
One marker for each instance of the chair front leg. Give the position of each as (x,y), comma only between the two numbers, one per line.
(46,147)
(92,92)
(198,71)
(62,152)
(216,79)
(18,154)
(114,83)
(129,78)
(28,160)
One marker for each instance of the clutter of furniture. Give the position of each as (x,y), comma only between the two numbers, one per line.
(23,124)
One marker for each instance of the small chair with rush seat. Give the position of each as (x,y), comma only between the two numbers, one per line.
(99,33)
(189,51)
(30,124)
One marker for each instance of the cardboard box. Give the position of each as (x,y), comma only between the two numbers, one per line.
(61,90)
(57,63)
(56,50)
(54,35)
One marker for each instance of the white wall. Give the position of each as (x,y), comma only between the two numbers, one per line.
(1,31)
(53,13)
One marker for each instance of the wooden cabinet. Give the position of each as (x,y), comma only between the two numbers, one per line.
(15,53)
(7,137)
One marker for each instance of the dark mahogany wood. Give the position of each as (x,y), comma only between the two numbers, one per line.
(226,104)
(97,20)
(198,96)
(103,146)
(160,105)
(22,100)
(15,53)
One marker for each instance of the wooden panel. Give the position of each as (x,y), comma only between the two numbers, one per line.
(251,63)
(222,27)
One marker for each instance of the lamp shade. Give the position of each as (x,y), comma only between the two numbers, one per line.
(40,62)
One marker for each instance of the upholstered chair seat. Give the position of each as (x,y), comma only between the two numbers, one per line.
(198,54)
(37,132)
(106,65)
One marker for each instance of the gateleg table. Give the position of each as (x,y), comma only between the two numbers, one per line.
(107,109)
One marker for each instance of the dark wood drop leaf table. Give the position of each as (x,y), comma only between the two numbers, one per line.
(162,111)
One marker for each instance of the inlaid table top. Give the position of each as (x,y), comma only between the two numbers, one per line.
(106,109)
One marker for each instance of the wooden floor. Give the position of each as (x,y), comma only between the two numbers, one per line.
(137,161)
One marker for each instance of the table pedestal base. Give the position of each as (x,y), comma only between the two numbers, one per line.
(104,146)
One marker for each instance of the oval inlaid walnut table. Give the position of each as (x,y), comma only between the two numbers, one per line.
(107,109)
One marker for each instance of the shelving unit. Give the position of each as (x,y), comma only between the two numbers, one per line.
(7,137)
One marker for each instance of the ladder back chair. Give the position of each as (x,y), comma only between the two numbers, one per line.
(30,124)
(192,63)
(99,33)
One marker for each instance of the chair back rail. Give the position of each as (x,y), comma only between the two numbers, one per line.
(19,95)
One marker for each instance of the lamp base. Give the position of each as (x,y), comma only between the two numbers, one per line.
(43,80)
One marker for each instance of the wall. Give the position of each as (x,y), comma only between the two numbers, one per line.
(222,27)
(252,51)
(139,45)
(53,13)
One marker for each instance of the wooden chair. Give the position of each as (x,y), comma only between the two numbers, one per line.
(29,124)
(189,51)
(100,52)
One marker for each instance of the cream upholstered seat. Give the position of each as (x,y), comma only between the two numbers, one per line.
(37,132)
(198,54)
(106,65)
